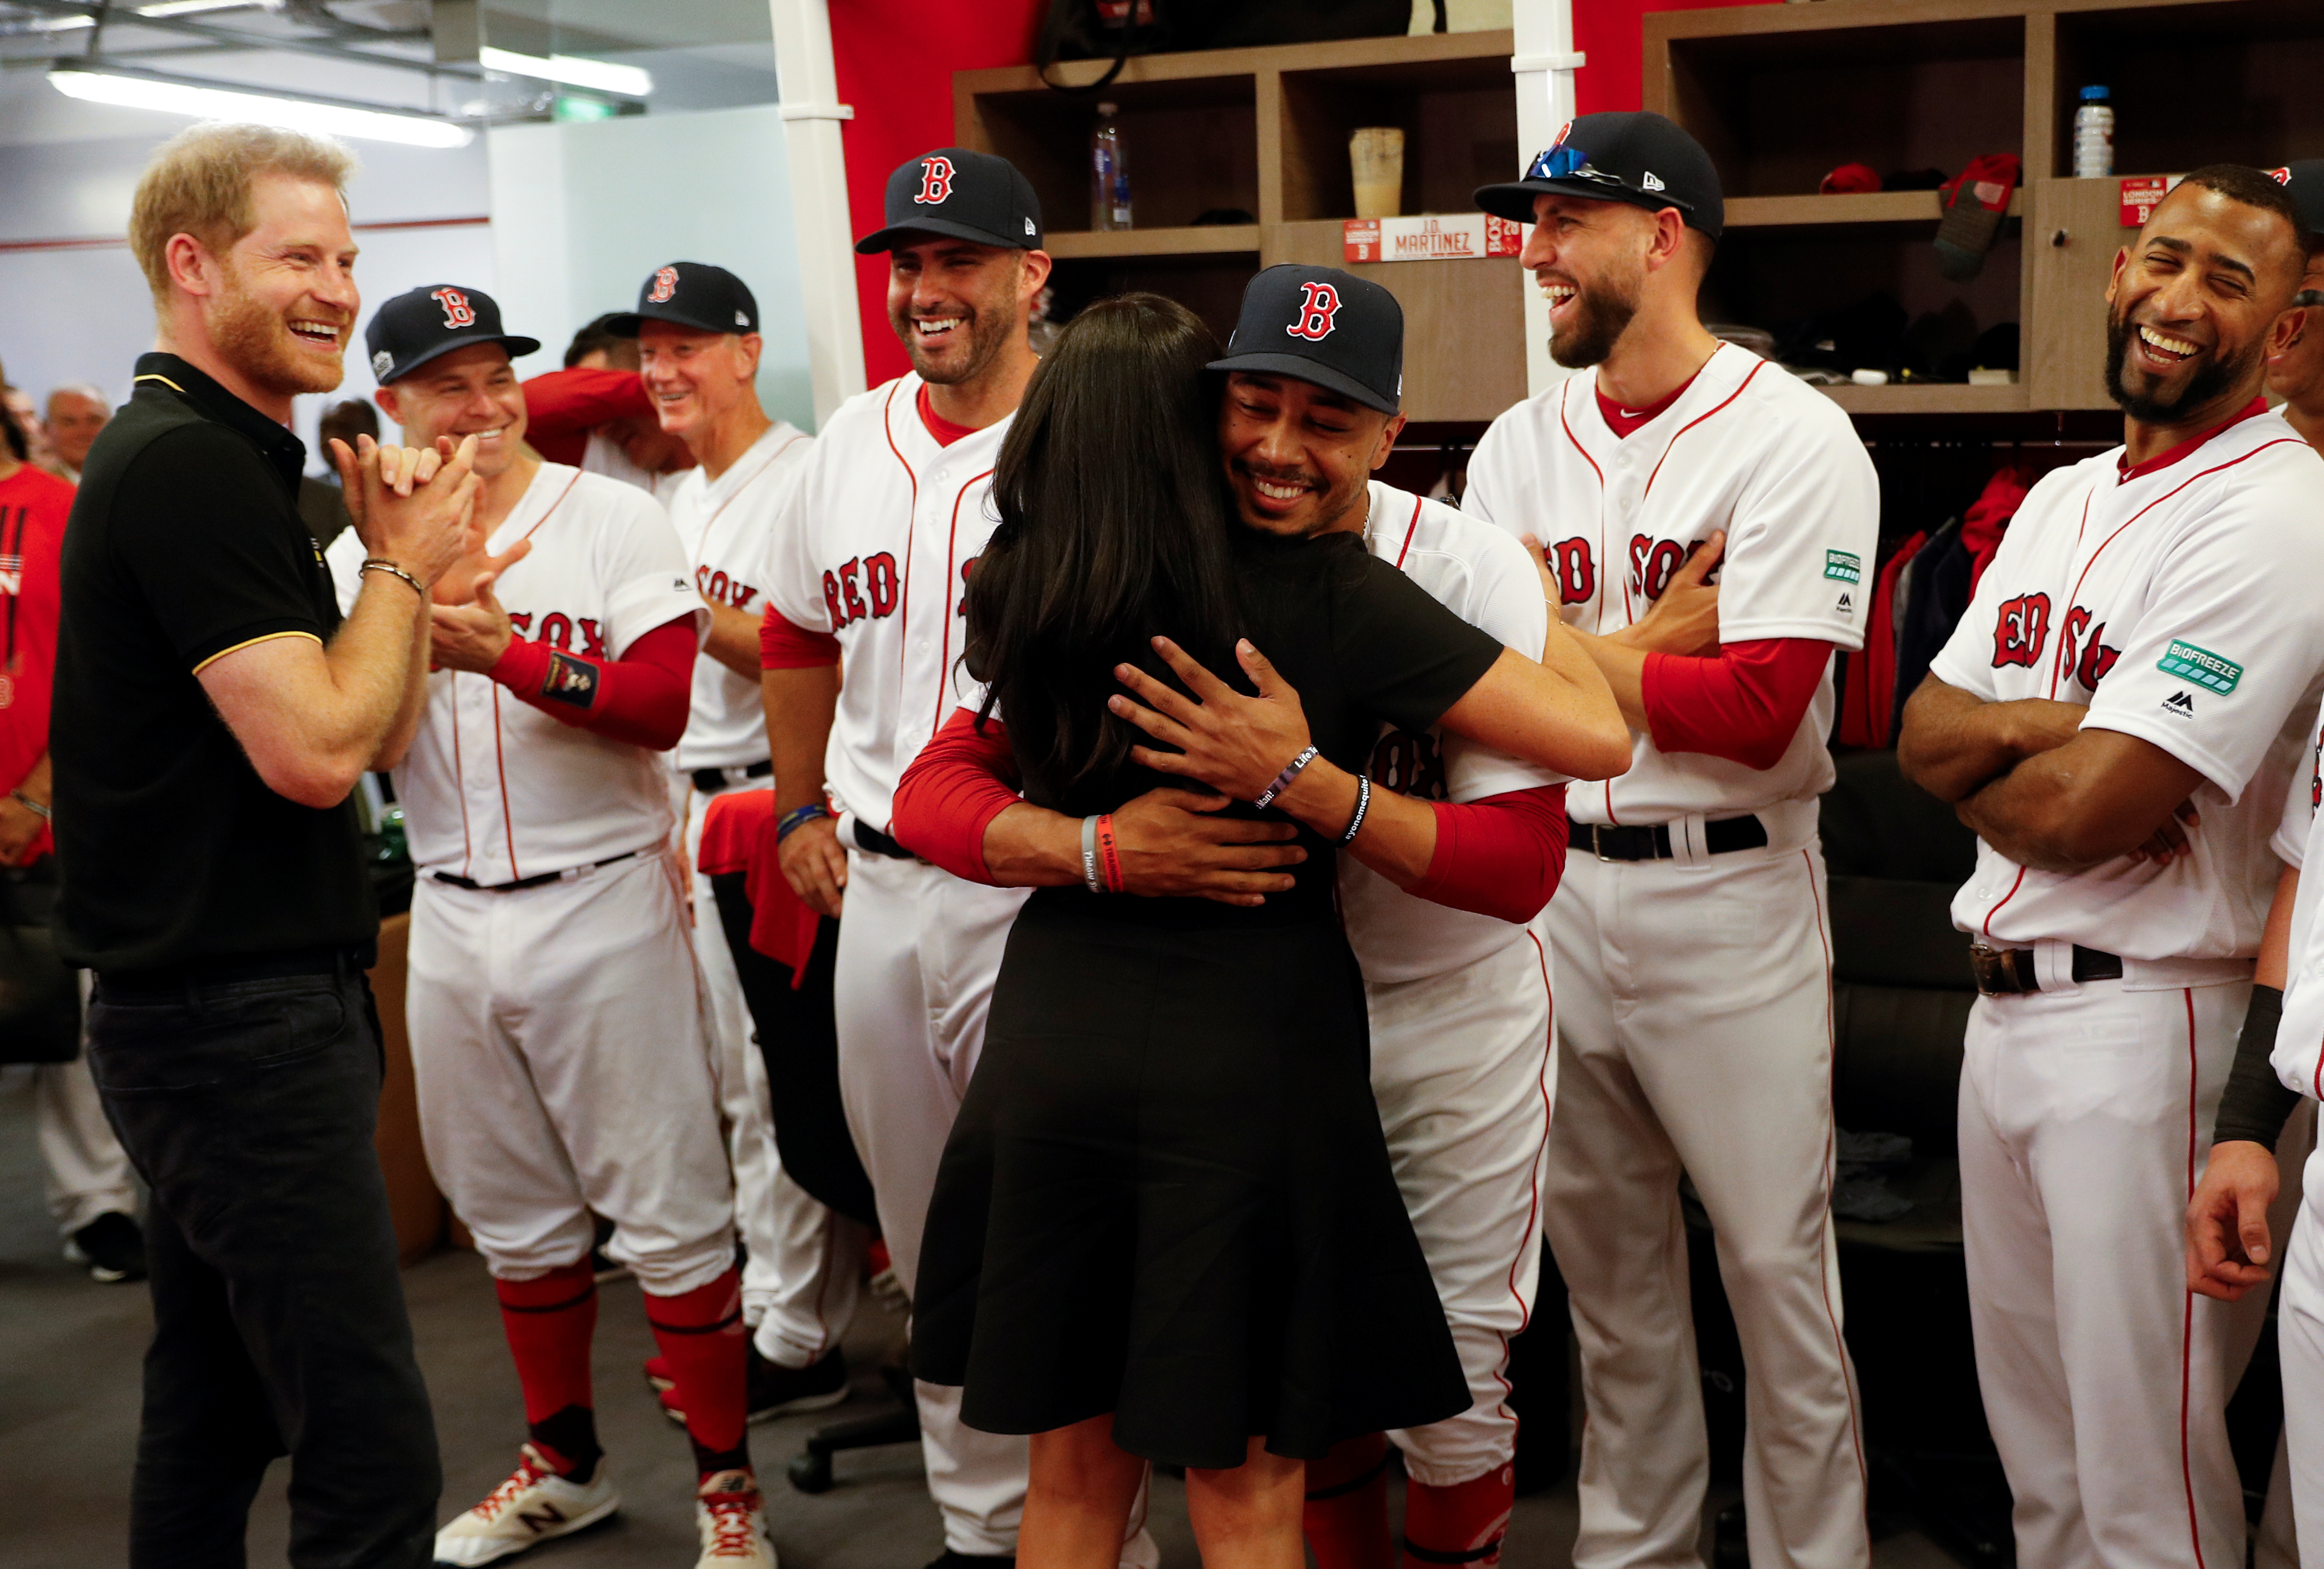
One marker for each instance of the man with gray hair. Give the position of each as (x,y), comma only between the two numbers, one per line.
(77,412)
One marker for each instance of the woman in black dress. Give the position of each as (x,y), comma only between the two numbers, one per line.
(1165,1226)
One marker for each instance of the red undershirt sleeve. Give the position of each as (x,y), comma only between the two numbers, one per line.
(643,699)
(1500,856)
(562,407)
(1744,705)
(785,645)
(961,780)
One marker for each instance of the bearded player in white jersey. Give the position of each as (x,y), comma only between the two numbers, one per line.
(870,557)
(2116,717)
(554,1004)
(1692,951)
(698,343)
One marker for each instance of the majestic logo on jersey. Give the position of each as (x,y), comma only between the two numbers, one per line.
(1410,763)
(2201,667)
(1843,566)
(1575,569)
(868,586)
(457,311)
(1316,312)
(2020,629)
(720,589)
(2179,705)
(935,181)
(556,630)
(2090,667)
(665,286)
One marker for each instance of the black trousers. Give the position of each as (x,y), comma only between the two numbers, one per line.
(279,1317)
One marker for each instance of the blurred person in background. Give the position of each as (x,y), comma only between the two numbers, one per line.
(34,430)
(77,412)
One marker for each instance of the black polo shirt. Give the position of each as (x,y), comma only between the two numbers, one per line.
(186,544)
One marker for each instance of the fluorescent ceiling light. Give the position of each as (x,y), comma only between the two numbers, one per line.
(62,24)
(629,80)
(193,8)
(212,103)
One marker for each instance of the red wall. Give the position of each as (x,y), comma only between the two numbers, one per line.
(895,60)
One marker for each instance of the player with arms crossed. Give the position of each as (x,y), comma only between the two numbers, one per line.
(2115,717)
(1690,936)
(554,1008)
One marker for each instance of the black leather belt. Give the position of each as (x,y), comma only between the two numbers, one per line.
(473,886)
(283,965)
(709,781)
(872,842)
(2009,972)
(1652,841)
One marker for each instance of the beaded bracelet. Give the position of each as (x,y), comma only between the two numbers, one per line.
(799,818)
(1283,780)
(1364,804)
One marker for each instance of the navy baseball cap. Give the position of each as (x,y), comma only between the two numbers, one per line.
(1633,156)
(1318,324)
(960,194)
(433,319)
(693,294)
(2305,181)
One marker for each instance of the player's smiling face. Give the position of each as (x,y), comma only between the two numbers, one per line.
(469,392)
(1298,457)
(1588,260)
(693,377)
(283,301)
(956,304)
(2190,304)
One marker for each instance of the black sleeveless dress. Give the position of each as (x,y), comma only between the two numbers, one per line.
(1166,1194)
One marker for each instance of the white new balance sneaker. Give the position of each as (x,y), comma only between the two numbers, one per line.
(532,1505)
(732,1520)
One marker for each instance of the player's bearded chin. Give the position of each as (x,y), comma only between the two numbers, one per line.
(979,340)
(257,341)
(1602,309)
(2212,378)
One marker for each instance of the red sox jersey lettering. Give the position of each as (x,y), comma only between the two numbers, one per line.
(1575,569)
(880,589)
(556,630)
(2020,627)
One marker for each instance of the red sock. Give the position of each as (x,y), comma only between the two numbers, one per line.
(1462,1524)
(1346,1517)
(701,1334)
(549,1321)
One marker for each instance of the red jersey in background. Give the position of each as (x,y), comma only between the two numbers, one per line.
(32,510)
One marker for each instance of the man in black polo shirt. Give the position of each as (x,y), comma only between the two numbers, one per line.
(212,716)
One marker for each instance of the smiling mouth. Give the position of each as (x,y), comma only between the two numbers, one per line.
(1279,492)
(321,334)
(935,330)
(1559,295)
(2163,347)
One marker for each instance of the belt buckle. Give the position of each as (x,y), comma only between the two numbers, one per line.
(1596,848)
(1995,971)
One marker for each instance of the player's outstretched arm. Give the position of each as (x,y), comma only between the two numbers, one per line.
(2229,1248)
(1954,742)
(2102,795)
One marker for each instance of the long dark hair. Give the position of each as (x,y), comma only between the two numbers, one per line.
(1114,529)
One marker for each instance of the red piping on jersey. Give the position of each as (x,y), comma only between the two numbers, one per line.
(2187,1312)
(1698,419)
(550,508)
(459,780)
(1533,1201)
(2150,506)
(1410,529)
(911,521)
(952,539)
(1832,1123)
(743,485)
(2004,899)
(1605,562)
(499,763)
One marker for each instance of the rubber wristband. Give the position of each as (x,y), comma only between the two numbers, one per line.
(1364,804)
(799,818)
(1283,780)
(1109,854)
(1089,856)
(375,564)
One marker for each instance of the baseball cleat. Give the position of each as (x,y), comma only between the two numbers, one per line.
(532,1505)
(776,1391)
(732,1520)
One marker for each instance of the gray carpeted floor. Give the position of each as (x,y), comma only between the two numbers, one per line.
(69,1361)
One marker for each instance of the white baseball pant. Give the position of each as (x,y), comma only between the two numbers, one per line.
(2085,1115)
(1464,1068)
(563,1067)
(2276,1543)
(793,1291)
(87,1171)
(1694,1030)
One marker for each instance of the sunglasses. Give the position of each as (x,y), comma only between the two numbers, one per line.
(1570,164)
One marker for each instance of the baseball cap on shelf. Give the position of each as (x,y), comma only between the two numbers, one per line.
(1342,333)
(1633,156)
(2305,181)
(433,319)
(961,195)
(693,294)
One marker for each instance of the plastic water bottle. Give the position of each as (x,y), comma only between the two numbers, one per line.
(1109,173)
(2094,135)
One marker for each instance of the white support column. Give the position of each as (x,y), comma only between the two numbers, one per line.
(1544,64)
(811,111)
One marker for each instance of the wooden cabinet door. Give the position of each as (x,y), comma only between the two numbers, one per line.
(2074,233)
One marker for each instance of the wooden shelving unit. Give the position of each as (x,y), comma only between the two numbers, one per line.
(1264,133)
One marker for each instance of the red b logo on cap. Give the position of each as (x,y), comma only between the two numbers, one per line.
(936,181)
(664,285)
(457,311)
(1316,312)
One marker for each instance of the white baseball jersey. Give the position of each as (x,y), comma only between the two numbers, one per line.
(2166,599)
(494,788)
(603,455)
(1746,448)
(727,527)
(2299,1056)
(1481,575)
(874,545)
